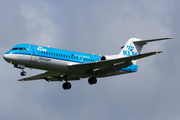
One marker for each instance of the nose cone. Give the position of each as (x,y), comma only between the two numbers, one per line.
(7,57)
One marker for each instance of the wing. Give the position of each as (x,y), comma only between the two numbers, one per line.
(101,67)
(50,76)
(119,62)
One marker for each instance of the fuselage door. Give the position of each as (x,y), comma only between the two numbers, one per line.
(80,58)
(33,53)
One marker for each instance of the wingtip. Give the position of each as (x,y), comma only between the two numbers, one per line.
(170,38)
(166,38)
(21,80)
(158,52)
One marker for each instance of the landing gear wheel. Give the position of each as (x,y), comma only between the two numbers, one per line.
(66,85)
(92,80)
(23,73)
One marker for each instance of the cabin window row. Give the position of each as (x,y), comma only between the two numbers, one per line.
(60,55)
(67,56)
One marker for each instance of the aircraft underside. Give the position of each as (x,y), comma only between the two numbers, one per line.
(59,68)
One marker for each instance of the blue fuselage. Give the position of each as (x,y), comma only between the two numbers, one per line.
(40,53)
(46,58)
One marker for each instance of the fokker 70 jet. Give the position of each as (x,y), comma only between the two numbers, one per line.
(63,65)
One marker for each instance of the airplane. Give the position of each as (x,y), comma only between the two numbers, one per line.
(64,65)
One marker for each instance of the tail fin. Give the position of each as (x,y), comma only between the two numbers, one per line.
(134,46)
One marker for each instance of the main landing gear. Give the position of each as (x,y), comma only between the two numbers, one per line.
(92,80)
(66,85)
(23,73)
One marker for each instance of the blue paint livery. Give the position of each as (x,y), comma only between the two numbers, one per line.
(131,68)
(129,53)
(54,53)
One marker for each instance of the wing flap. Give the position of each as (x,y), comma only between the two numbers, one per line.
(104,70)
(111,68)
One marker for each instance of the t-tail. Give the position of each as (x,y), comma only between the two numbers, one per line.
(132,49)
(135,45)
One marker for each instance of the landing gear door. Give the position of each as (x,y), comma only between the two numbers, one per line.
(33,54)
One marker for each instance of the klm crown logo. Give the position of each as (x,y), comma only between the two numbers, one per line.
(129,52)
(131,48)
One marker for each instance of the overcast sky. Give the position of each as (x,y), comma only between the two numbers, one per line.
(100,27)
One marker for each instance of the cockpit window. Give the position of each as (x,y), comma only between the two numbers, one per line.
(15,48)
(21,48)
(24,49)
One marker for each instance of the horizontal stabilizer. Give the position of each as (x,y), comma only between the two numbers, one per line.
(152,40)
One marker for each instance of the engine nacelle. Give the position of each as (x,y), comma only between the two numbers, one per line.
(109,57)
(104,58)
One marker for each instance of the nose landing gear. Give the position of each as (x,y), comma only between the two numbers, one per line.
(23,73)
